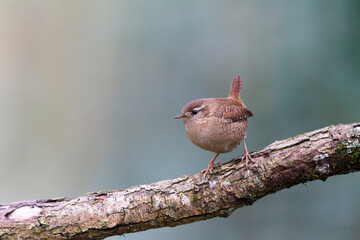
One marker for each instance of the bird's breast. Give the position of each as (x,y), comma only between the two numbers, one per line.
(216,135)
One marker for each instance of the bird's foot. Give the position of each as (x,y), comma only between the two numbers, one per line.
(248,159)
(217,164)
(210,168)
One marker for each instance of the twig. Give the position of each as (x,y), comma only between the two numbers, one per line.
(315,155)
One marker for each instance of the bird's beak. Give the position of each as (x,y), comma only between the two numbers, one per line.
(179,116)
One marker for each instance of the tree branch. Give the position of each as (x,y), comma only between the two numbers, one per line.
(315,155)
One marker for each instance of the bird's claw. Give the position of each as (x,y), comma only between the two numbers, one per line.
(248,159)
(210,168)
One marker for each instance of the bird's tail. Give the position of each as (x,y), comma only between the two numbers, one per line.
(235,88)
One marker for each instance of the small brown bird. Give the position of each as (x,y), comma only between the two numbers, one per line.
(218,125)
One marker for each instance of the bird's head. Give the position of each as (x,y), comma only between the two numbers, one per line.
(195,111)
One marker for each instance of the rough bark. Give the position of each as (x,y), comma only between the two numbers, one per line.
(315,155)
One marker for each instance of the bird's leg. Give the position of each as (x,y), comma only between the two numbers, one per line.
(211,165)
(246,156)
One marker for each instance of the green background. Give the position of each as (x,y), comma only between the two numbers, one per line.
(88,90)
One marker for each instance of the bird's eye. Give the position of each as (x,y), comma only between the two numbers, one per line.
(194,112)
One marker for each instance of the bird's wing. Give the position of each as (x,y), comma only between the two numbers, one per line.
(236,113)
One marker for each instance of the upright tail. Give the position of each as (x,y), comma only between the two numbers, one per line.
(235,88)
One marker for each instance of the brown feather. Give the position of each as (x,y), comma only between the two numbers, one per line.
(235,88)
(236,113)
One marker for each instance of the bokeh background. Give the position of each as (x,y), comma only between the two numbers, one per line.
(88,90)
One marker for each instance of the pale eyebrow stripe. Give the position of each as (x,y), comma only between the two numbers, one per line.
(199,108)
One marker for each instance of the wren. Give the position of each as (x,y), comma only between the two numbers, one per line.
(218,125)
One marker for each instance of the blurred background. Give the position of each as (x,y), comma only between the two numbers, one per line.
(88,90)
